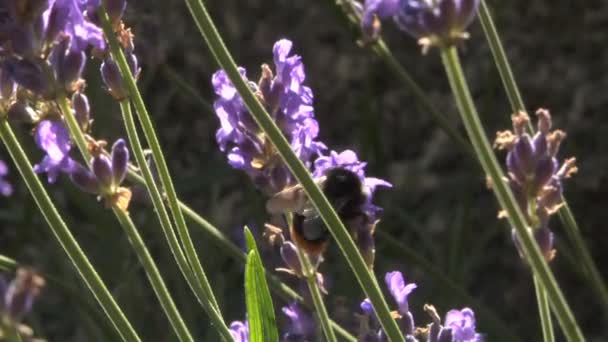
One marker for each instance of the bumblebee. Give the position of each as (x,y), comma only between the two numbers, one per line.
(344,190)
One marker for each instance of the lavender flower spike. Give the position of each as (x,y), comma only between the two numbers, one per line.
(53,138)
(288,101)
(535,175)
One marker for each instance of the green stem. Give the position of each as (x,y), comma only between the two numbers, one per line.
(311,279)
(147,262)
(66,239)
(572,229)
(342,237)
(159,158)
(500,58)
(235,252)
(210,306)
(504,195)
(544,312)
(424,104)
(153,274)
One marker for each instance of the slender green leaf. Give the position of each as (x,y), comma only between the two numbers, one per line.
(262,323)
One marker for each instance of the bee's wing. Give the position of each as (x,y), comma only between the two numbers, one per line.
(292,199)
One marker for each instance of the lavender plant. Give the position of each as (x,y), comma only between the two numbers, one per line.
(268,131)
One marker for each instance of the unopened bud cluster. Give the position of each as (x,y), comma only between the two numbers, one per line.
(535,174)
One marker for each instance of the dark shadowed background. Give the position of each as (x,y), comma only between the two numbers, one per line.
(439,208)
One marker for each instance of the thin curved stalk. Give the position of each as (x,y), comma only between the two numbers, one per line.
(154,276)
(163,216)
(140,248)
(421,100)
(65,238)
(544,312)
(235,252)
(159,158)
(503,193)
(342,237)
(566,216)
(317,298)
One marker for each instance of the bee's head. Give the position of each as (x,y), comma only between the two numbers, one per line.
(341,183)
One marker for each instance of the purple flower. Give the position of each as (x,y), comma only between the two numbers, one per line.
(287,100)
(302,326)
(380,9)
(399,290)
(6,189)
(68,17)
(239,331)
(461,324)
(439,22)
(53,138)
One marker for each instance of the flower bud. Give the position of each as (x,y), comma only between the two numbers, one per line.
(120,161)
(289,254)
(84,179)
(82,110)
(71,69)
(110,75)
(102,168)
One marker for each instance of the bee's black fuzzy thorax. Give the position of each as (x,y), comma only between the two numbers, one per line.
(344,189)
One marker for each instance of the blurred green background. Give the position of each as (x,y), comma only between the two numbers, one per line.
(439,210)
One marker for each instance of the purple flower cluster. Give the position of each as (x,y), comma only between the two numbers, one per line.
(435,23)
(44,45)
(459,325)
(289,102)
(535,175)
(42,38)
